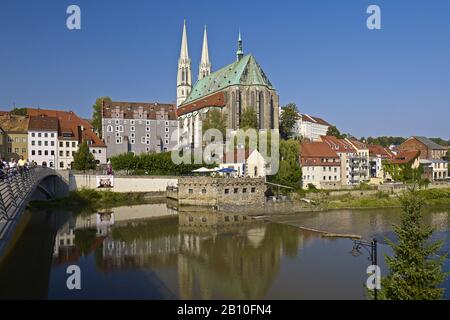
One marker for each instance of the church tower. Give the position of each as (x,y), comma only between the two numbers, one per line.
(184,78)
(205,64)
(240,51)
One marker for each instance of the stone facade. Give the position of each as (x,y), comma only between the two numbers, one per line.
(139,127)
(216,192)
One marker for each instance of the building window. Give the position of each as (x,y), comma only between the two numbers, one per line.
(52,152)
(167,142)
(191,191)
(147,129)
(46,143)
(147,135)
(117,135)
(93,151)
(61,165)
(52,135)
(33,152)
(227,191)
(39,135)
(132,129)
(148,122)
(167,123)
(46,135)
(132,122)
(33,134)
(204,191)
(132,141)
(244,190)
(46,152)
(61,144)
(253,190)
(52,143)
(236,190)
(74,145)
(132,135)
(167,129)
(109,129)
(61,153)
(33,143)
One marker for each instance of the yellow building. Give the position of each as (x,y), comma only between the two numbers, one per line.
(15,137)
(2,143)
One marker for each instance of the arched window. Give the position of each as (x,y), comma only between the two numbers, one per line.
(233,110)
(272,114)
(256,172)
(110,129)
(253,100)
(261,110)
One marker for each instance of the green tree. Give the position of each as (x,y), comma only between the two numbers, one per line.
(415,269)
(333,131)
(97,114)
(289,172)
(84,159)
(249,119)
(215,119)
(288,118)
(19,111)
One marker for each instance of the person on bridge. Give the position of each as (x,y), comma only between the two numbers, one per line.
(21,165)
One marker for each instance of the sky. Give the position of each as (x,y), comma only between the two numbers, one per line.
(318,54)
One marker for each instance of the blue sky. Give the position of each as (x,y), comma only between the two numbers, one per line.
(317,53)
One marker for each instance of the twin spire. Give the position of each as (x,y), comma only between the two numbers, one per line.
(184,79)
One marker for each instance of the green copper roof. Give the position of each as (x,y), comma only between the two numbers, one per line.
(243,72)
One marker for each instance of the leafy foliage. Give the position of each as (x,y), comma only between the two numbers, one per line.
(19,111)
(152,164)
(334,131)
(97,114)
(415,268)
(215,119)
(84,159)
(289,172)
(249,119)
(386,141)
(288,118)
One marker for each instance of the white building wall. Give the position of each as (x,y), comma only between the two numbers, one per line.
(42,147)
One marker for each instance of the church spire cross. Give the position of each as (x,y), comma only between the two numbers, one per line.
(184,77)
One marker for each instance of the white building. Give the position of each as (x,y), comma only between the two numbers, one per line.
(43,140)
(311,128)
(437,168)
(246,164)
(321,166)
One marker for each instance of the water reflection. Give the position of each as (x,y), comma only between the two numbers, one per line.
(152,252)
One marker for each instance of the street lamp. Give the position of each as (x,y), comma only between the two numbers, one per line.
(371,248)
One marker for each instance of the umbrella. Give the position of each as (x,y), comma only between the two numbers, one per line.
(203,170)
(226,170)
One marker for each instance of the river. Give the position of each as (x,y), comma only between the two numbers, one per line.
(152,252)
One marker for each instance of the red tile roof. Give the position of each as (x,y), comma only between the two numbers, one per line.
(314,154)
(214,100)
(308,118)
(70,126)
(338,145)
(404,157)
(43,123)
(377,150)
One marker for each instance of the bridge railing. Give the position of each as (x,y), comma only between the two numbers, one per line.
(16,184)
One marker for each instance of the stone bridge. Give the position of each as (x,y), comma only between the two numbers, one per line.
(19,187)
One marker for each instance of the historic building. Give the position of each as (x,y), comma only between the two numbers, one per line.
(311,128)
(231,89)
(429,149)
(43,140)
(138,127)
(14,137)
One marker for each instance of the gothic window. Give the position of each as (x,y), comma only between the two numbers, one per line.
(261,110)
(272,115)
(233,110)
(253,100)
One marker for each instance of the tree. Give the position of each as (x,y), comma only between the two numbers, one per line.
(415,269)
(289,172)
(97,114)
(84,159)
(249,119)
(288,118)
(215,120)
(333,131)
(19,111)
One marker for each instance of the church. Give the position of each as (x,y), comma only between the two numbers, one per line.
(231,89)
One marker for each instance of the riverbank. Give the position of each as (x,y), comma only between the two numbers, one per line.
(91,200)
(431,197)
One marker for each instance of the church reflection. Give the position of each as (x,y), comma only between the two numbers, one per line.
(228,256)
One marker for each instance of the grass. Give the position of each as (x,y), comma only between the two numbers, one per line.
(88,199)
(432,197)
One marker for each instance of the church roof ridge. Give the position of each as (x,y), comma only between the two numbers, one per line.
(246,71)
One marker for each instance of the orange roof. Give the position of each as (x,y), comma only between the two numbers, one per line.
(70,126)
(377,150)
(404,157)
(338,145)
(317,154)
(358,144)
(214,100)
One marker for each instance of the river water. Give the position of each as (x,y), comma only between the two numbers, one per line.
(152,252)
